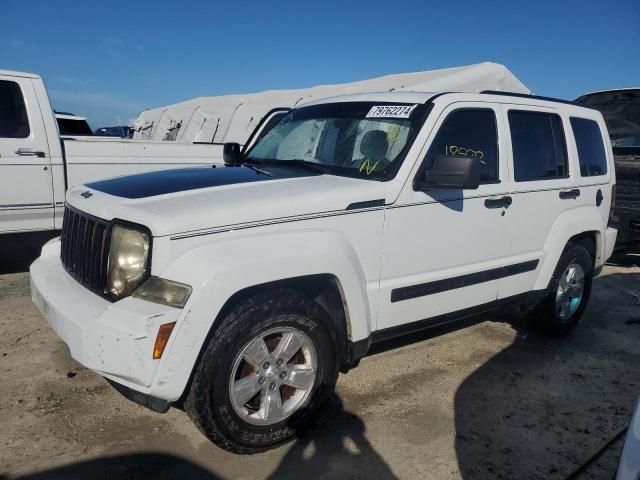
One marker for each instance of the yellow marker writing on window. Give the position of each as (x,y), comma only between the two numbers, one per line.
(367,167)
(464,152)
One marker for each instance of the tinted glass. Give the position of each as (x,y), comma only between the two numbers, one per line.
(74,127)
(468,133)
(593,159)
(539,149)
(13,114)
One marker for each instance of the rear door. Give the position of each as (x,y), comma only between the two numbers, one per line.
(26,191)
(443,248)
(542,186)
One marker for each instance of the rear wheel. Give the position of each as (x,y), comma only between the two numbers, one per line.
(269,366)
(568,293)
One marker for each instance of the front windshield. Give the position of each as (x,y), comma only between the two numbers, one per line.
(361,139)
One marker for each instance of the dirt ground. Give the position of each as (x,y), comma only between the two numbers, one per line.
(484,399)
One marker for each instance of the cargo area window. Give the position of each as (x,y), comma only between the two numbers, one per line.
(14,122)
(539,147)
(468,132)
(591,153)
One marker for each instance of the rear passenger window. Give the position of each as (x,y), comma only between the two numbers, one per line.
(469,132)
(593,159)
(539,149)
(13,114)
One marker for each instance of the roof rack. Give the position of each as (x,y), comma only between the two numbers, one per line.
(533,97)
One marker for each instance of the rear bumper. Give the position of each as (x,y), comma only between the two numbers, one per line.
(113,339)
(611,234)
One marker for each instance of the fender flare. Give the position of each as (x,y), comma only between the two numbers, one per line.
(218,270)
(569,224)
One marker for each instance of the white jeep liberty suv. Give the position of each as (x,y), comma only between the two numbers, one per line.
(240,291)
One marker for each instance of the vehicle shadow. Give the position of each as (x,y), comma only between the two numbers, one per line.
(542,406)
(334,447)
(19,250)
(133,466)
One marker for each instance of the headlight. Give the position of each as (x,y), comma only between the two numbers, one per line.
(166,292)
(128,258)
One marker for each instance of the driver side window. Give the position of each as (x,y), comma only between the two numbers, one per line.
(468,132)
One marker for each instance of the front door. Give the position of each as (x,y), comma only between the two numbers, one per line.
(443,249)
(26,190)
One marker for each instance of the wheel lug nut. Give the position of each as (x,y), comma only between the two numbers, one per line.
(283,375)
(261,380)
(266,365)
(279,362)
(272,386)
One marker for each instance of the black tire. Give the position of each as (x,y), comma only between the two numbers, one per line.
(545,316)
(208,402)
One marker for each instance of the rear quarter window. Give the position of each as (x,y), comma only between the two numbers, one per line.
(591,152)
(539,148)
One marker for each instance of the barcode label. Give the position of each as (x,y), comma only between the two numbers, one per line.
(391,111)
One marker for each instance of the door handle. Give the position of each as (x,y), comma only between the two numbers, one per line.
(569,194)
(30,152)
(503,202)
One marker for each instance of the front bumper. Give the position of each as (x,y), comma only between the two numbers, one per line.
(113,339)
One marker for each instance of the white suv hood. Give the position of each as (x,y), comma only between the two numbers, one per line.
(179,201)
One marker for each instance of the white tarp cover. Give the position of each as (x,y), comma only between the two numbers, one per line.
(232,118)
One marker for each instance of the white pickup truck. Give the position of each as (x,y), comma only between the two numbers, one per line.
(240,291)
(37,166)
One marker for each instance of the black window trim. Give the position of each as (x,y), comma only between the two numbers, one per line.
(422,166)
(604,148)
(564,138)
(26,111)
(257,132)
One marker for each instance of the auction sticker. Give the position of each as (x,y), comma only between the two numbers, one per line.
(391,111)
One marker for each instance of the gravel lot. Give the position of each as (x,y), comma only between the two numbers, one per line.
(485,399)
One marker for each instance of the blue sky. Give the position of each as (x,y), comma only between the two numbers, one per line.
(110,60)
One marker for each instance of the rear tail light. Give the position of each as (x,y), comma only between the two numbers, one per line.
(613,218)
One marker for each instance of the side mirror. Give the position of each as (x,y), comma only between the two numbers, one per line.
(231,154)
(451,172)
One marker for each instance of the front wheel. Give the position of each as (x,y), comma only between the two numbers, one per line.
(568,292)
(268,367)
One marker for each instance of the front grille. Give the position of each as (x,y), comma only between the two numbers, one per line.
(628,187)
(85,249)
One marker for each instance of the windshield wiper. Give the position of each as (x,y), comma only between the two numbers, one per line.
(306,164)
(252,166)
